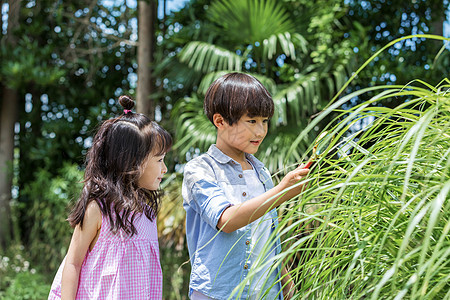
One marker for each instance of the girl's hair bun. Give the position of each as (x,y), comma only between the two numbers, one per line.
(126,102)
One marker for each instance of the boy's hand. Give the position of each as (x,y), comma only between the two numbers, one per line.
(293,177)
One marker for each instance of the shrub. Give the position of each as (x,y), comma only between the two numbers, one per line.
(49,232)
(19,280)
(379,227)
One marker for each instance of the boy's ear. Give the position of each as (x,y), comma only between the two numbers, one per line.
(218,120)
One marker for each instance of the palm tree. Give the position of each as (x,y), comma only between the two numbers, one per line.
(8,117)
(260,38)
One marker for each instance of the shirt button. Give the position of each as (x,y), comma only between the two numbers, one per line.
(247,242)
(245,267)
(240,176)
(244,194)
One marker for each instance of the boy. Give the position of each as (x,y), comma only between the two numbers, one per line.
(227,195)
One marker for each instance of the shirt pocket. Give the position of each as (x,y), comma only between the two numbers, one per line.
(235,193)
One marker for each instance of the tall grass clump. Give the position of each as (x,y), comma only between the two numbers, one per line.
(374,222)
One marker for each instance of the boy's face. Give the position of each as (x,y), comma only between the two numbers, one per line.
(244,136)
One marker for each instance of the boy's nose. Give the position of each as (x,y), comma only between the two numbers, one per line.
(260,130)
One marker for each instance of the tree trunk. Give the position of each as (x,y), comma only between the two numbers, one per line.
(1,24)
(438,23)
(146,48)
(438,27)
(8,118)
(164,19)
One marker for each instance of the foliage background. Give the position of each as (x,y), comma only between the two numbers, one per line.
(72,61)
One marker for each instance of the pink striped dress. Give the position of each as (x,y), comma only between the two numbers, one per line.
(119,266)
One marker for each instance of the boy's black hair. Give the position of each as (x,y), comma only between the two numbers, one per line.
(236,94)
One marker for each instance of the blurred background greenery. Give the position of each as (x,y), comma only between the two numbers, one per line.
(64,64)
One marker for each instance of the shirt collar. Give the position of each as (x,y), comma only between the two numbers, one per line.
(222,158)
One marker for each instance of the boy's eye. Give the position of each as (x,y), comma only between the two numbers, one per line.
(252,121)
(266,120)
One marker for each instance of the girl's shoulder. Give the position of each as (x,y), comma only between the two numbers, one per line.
(93,214)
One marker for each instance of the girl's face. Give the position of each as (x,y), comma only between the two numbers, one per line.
(153,172)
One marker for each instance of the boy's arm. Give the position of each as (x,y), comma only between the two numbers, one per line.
(237,216)
(81,239)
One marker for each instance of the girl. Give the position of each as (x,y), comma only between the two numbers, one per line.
(114,251)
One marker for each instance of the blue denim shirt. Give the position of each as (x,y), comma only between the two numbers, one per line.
(220,261)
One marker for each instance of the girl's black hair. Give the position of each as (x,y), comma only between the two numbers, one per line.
(113,167)
(236,94)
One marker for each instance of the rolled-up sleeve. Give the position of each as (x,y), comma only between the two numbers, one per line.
(202,193)
(210,201)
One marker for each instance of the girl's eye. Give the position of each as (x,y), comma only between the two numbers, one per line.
(252,121)
(266,120)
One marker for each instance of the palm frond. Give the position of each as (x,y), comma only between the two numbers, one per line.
(304,97)
(193,129)
(298,100)
(205,57)
(286,42)
(179,73)
(250,21)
